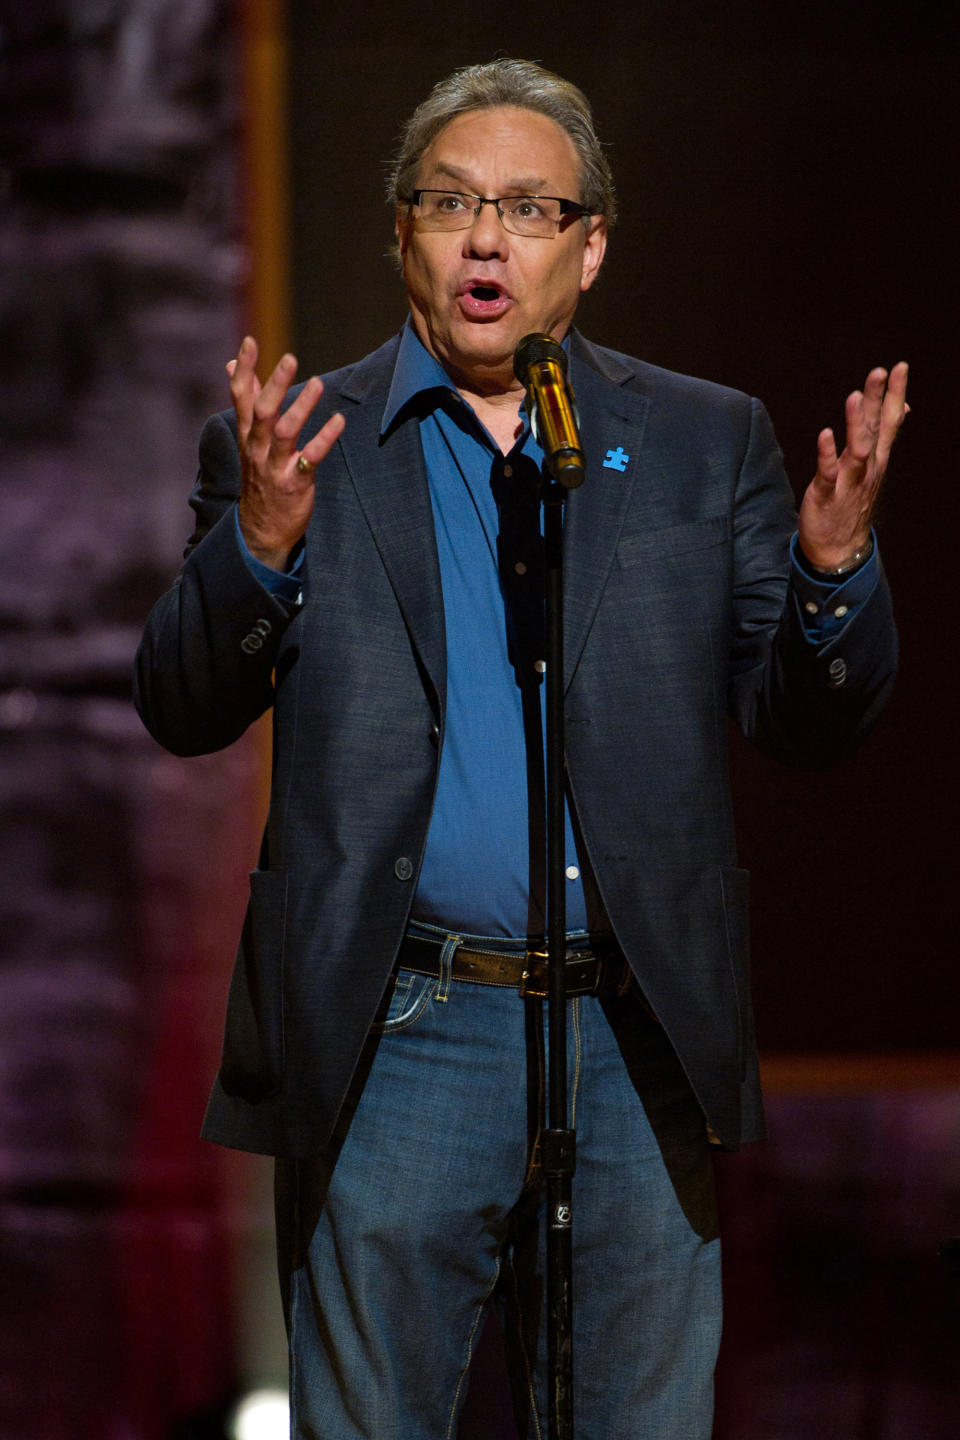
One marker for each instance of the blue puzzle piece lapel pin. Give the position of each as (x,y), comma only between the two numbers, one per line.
(616,459)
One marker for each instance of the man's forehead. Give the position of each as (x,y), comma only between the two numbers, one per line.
(526,150)
(528,183)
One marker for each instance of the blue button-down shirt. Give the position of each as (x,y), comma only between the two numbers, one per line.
(482,869)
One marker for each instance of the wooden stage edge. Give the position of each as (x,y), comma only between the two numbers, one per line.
(850,1072)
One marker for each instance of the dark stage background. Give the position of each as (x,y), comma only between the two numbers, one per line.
(787,188)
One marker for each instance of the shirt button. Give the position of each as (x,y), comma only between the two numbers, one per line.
(840,611)
(520,568)
(540,666)
(811,607)
(572,873)
(403,868)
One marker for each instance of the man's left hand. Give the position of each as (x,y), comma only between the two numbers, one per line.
(834,524)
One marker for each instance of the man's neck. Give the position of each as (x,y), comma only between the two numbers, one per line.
(499,413)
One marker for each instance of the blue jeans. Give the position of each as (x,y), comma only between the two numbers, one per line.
(427,1208)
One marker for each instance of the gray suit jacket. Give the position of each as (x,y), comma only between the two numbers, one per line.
(677,611)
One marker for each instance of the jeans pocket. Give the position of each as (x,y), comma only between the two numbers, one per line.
(406,998)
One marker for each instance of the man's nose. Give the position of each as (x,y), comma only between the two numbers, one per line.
(487,235)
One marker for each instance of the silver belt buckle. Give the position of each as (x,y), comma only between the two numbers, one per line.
(528,978)
(578,967)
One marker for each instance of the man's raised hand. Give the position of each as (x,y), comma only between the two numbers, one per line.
(834,525)
(277,480)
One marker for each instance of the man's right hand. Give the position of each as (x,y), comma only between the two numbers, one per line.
(277,480)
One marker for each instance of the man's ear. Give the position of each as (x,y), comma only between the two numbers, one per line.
(594,249)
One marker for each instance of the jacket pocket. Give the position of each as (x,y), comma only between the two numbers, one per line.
(253,1047)
(673,540)
(735,888)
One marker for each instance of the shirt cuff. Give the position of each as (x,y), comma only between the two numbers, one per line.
(827,606)
(285,584)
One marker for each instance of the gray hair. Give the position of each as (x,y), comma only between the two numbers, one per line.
(526,86)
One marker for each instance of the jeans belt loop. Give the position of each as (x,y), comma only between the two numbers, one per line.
(450,946)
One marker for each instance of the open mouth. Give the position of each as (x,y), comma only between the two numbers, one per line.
(483,302)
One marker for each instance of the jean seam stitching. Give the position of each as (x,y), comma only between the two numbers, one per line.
(451,1419)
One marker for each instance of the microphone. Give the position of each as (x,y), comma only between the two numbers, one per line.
(540,364)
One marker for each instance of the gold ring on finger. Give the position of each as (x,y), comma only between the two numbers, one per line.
(304,465)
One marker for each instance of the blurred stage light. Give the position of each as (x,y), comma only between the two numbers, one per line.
(261,1415)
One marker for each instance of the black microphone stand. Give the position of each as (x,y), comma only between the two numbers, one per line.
(541,364)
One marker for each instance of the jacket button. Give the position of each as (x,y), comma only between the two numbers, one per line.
(434,735)
(251,643)
(403,868)
(837,671)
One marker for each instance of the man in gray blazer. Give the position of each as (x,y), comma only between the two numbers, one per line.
(366,562)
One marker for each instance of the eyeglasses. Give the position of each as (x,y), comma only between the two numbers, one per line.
(538,215)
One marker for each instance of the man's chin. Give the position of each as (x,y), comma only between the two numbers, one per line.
(485,347)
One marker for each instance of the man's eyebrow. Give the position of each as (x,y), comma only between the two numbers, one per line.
(522,185)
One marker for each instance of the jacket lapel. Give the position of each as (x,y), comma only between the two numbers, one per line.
(391,483)
(612,423)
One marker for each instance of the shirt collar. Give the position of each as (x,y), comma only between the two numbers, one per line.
(414,371)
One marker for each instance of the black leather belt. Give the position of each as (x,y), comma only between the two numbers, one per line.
(601,965)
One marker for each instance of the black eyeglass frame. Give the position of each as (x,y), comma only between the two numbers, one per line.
(567,207)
